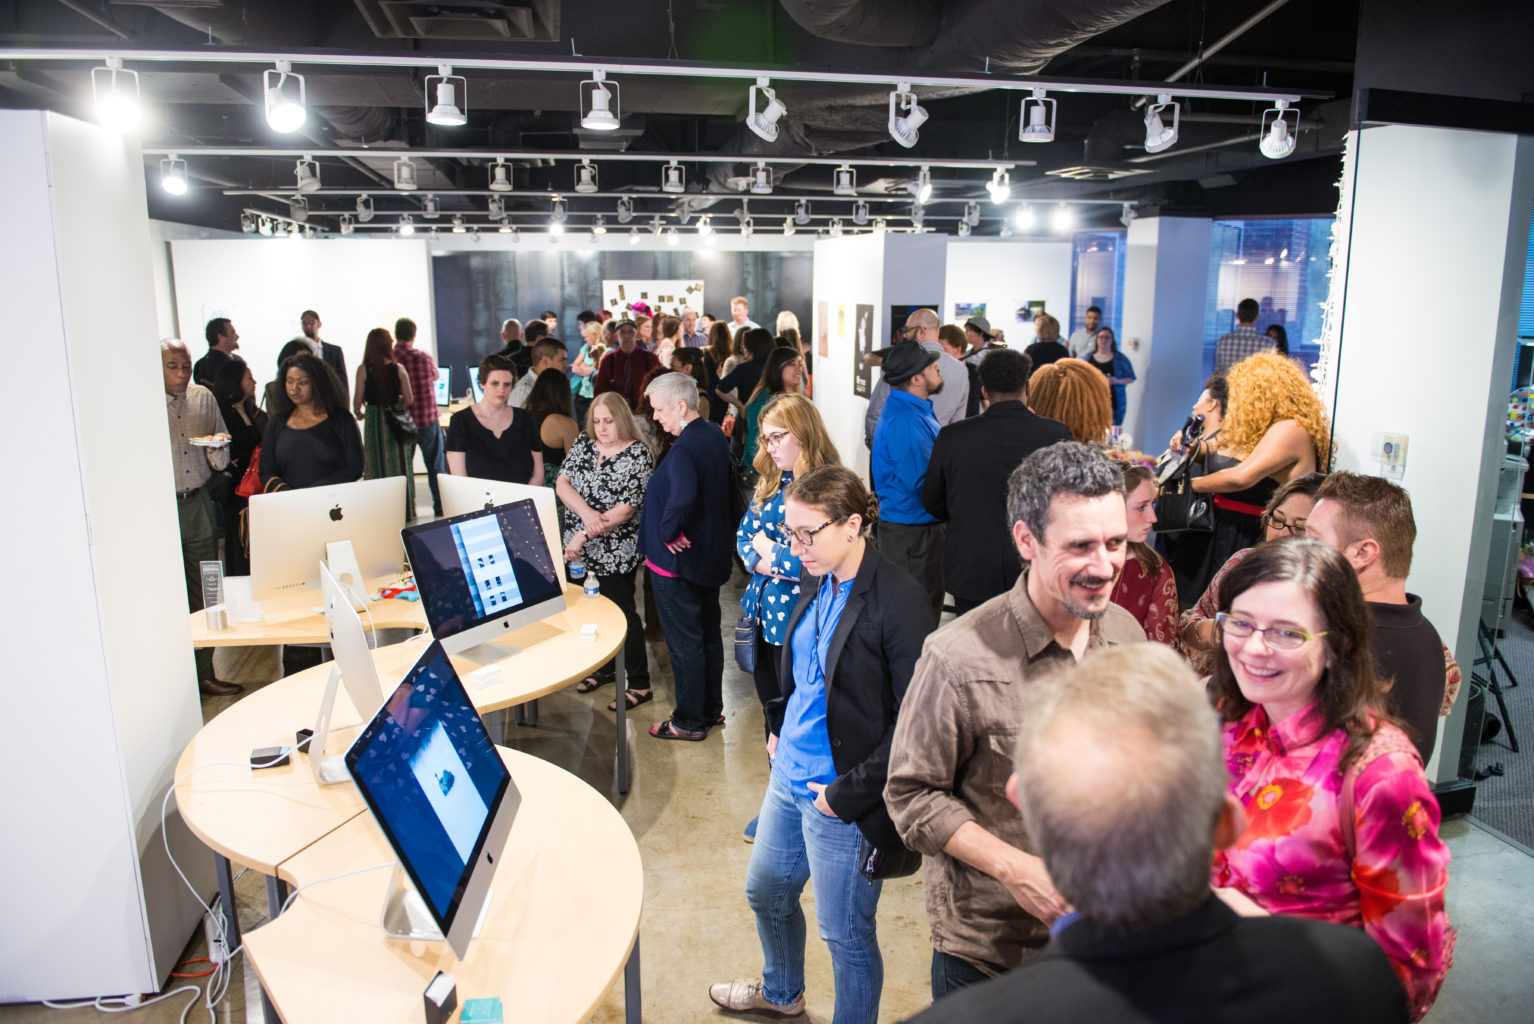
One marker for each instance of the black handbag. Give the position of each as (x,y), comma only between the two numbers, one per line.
(745,643)
(877,864)
(1181,509)
(401,424)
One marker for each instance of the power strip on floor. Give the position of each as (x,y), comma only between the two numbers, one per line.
(218,950)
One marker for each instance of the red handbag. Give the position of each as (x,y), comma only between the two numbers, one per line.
(250,483)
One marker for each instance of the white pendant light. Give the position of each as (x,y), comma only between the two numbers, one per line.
(500,176)
(625,210)
(764,123)
(585,176)
(115,91)
(347,224)
(673,178)
(1158,134)
(846,181)
(1000,186)
(1278,139)
(173,175)
(308,174)
(406,225)
(906,116)
(285,98)
(298,208)
(597,96)
(446,87)
(802,211)
(860,212)
(404,175)
(556,227)
(1036,123)
(921,188)
(364,208)
(761,179)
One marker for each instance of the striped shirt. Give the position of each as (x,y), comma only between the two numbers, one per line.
(194,414)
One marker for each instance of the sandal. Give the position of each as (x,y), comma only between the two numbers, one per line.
(668,730)
(632,699)
(590,683)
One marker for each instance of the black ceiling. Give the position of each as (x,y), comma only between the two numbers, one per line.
(1306,46)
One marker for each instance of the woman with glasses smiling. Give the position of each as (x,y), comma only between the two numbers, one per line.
(793,442)
(850,646)
(1341,824)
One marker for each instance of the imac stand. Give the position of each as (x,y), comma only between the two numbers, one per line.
(405,915)
(486,653)
(341,559)
(327,770)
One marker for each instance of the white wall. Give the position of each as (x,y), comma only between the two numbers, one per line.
(263,284)
(1005,276)
(1462,251)
(848,271)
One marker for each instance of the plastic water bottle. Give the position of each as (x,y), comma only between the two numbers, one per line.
(577,570)
(593,586)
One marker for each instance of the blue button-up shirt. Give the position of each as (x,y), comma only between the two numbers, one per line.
(804,745)
(902,448)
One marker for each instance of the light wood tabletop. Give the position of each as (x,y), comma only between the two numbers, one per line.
(563,918)
(300,619)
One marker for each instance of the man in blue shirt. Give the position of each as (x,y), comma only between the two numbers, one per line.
(909,535)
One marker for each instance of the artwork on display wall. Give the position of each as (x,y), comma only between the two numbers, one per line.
(1029,310)
(822,330)
(963,311)
(863,344)
(651,298)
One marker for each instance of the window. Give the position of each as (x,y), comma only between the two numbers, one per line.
(1097,279)
(1282,264)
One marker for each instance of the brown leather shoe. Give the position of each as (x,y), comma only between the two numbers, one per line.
(218,688)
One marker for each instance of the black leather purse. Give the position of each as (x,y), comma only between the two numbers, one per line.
(1181,509)
(401,423)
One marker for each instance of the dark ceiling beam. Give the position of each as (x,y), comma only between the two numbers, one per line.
(1240,60)
(98,17)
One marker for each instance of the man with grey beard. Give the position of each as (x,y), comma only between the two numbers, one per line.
(989,898)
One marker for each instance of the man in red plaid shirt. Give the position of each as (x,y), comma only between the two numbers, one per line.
(423,406)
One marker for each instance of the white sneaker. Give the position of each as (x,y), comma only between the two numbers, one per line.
(744,995)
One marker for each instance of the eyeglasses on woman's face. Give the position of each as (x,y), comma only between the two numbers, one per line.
(806,538)
(775,438)
(1280,523)
(1280,638)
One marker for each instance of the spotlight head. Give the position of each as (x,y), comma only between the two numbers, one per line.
(1127,214)
(448,87)
(671,237)
(1024,219)
(764,123)
(673,178)
(1278,138)
(1000,186)
(285,98)
(248,223)
(747,229)
(474,235)
(836,227)
(921,188)
(173,176)
(964,229)
(1037,120)
(307,172)
(458,224)
(500,176)
(558,212)
(880,226)
(496,208)
(1158,134)
(364,208)
(406,225)
(802,212)
(597,102)
(347,225)
(298,207)
(264,225)
(115,90)
(625,210)
(705,227)
(585,176)
(556,227)
(599,225)
(860,212)
(430,208)
(656,226)
(788,225)
(972,214)
(761,179)
(918,216)
(1006,228)
(516,235)
(505,227)
(906,116)
(846,181)
(1064,219)
(633,236)
(404,174)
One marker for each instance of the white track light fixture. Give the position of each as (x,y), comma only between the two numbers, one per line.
(964,229)
(846,182)
(1127,215)
(248,223)
(598,100)
(516,234)
(500,176)
(556,227)
(1024,219)
(347,224)
(446,87)
(802,212)
(505,227)
(764,123)
(406,225)
(880,226)
(404,174)
(921,188)
(308,174)
(672,238)
(656,225)
(1036,123)
(459,227)
(559,214)
(918,216)
(906,116)
(1158,134)
(115,90)
(633,236)
(1000,186)
(599,225)
(1064,219)
(496,208)
(1006,228)
(585,176)
(285,98)
(1278,138)
(972,214)
(761,179)
(788,226)
(860,212)
(705,228)
(625,210)
(474,235)
(673,178)
(173,175)
(298,208)
(364,209)
(747,229)
(836,227)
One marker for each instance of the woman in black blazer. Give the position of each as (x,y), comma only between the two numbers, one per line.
(852,644)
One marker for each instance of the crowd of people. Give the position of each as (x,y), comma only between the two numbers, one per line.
(1128,763)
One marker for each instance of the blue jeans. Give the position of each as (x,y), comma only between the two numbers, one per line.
(689,615)
(429,439)
(951,973)
(796,843)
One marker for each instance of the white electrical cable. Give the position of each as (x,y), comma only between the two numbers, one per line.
(123,1005)
(331,878)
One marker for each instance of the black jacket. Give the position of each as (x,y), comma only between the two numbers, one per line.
(688,494)
(333,357)
(1208,965)
(966,487)
(868,667)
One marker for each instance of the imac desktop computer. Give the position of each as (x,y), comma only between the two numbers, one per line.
(442,797)
(484,574)
(352,667)
(475,388)
(444,386)
(289,531)
(464,494)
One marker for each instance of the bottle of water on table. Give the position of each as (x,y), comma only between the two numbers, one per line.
(593,586)
(577,570)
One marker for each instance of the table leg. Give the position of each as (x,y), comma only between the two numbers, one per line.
(532,714)
(226,898)
(632,1011)
(621,755)
(495,725)
(276,896)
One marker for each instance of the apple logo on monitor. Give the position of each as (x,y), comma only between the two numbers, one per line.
(335,514)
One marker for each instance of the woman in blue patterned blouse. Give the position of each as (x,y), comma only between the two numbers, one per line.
(792,441)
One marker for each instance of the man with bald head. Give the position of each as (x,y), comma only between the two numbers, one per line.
(1120,778)
(193,413)
(951,404)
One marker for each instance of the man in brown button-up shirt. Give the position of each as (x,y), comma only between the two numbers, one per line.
(989,899)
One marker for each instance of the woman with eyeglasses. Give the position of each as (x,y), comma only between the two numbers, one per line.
(783,374)
(793,442)
(1341,824)
(850,646)
(1284,516)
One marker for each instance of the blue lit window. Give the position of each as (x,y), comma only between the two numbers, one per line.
(1097,279)
(1283,265)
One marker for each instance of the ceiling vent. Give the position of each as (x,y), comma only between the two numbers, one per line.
(1086,172)
(531,21)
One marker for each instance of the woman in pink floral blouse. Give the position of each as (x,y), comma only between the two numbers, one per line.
(1341,824)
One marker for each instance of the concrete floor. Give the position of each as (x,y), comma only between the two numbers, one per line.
(688,805)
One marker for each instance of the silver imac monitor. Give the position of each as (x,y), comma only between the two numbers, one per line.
(464,494)
(482,575)
(352,668)
(444,385)
(289,531)
(442,796)
(474,385)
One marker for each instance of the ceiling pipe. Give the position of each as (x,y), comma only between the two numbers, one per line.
(96,17)
(1219,44)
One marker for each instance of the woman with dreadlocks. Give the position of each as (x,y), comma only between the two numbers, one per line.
(1072,392)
